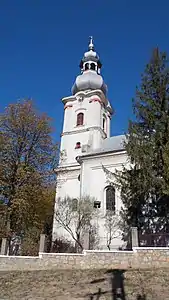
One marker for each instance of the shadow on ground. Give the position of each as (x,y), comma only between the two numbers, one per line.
(117,291)
(55,284)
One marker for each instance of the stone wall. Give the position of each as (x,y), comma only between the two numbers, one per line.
(138,258)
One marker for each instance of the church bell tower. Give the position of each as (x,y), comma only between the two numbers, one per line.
(87,112)
(87,115)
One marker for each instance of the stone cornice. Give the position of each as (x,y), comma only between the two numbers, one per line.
(102,99)
(80,130)
(85,94)
(108,166)
(67,167)
(81,158)
(95,100)
(68,106)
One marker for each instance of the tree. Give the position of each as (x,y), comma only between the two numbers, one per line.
(145,186)
(75,216)
(112,227)
(3,212)
(27,158)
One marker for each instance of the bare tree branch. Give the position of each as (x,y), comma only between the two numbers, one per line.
(75,222)
(112,227)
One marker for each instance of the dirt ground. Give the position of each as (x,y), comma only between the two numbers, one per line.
(85,284)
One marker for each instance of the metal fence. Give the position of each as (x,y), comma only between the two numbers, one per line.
(154,240)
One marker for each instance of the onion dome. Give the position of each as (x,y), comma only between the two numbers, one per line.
(90,79)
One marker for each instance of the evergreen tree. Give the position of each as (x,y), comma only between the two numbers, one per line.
(145,187)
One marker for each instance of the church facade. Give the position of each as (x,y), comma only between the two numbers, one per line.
(87,147)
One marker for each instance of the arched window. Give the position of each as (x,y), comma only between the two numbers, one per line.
(110,198)
(74,204)
(92,66)
(80,118)
(86,67)
(104,124)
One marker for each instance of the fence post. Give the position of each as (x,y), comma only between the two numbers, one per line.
(86,243)
(134,237)
(42,244)
(4,246)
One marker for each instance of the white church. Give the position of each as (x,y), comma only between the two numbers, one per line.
(87,146)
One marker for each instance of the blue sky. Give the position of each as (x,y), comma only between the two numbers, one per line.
(42,42)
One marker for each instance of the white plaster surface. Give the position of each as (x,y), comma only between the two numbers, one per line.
(92,177)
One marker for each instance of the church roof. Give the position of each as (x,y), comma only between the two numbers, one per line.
(90,78)
(114,143)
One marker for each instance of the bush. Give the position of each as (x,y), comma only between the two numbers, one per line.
(30,243)
(62,246)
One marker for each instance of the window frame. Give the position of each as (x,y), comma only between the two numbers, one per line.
(78,145)
(74,205)
(86,66)
(110,205)
(80,119)
(93,66)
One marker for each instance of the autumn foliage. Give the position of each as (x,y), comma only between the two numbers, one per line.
(27,158)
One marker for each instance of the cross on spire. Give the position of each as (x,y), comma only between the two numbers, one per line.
(91,44)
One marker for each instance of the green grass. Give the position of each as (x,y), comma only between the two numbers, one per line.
(78,285)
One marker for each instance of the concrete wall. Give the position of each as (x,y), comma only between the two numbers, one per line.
(138,258)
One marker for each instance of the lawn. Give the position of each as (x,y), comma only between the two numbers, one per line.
(85,284)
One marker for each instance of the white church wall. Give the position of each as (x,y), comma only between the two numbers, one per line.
(68,116)
(68,184)
(90,133)
(108,127)
(94,179)
(91,110)
(94,182)
(69,144)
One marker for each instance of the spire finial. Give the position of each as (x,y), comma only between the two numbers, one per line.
(91,45)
